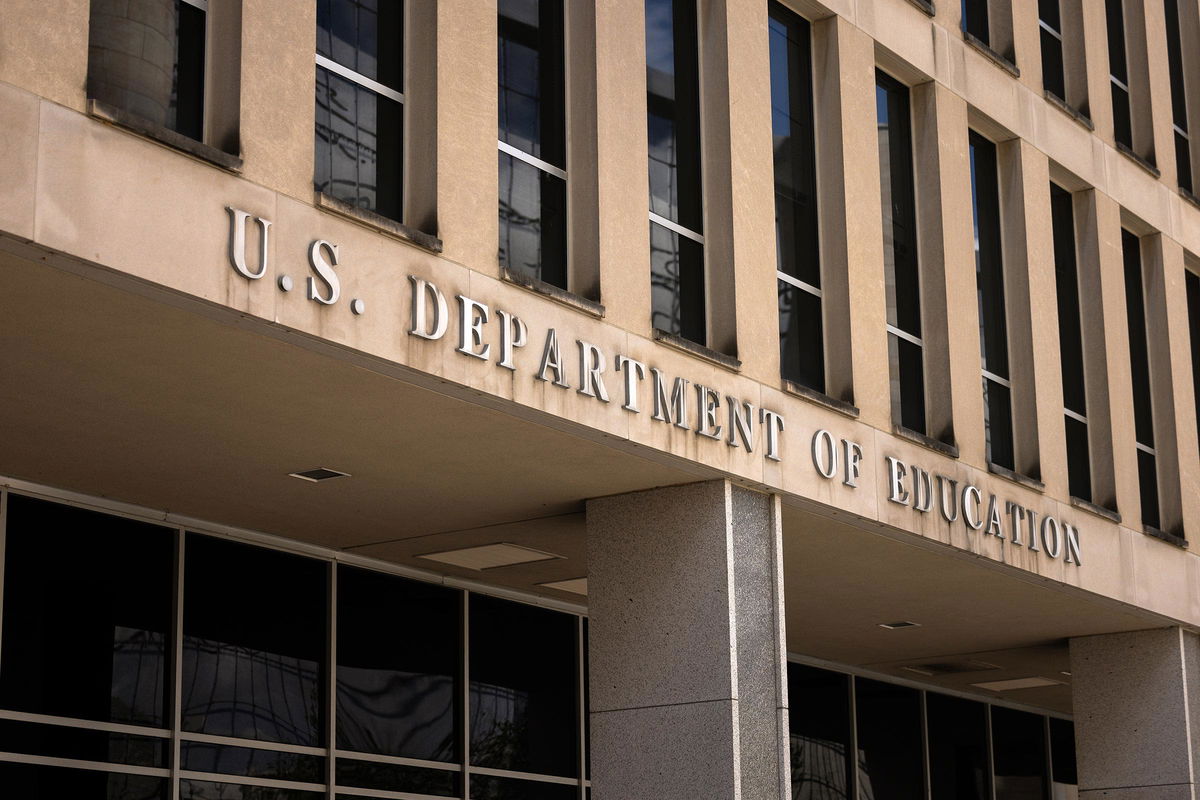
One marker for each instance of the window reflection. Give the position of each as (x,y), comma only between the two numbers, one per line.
(890,755)
(958,756)
(1019,754)
(396,694)
(820,733)
(523,700)
(254,642)
(90,641)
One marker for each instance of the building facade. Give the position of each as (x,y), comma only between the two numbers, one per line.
(632,399)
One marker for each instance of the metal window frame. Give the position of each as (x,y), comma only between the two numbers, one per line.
(803,286)
(1075,415)
(534,161)
(326,63)
(675,227)
(179,528)
(905,335)
(996,379)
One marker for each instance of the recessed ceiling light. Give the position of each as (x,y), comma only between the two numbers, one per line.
(895,626)
(573,585)
(1017,683)
(950,667)
(490,556)
(319,474)
(1065,673)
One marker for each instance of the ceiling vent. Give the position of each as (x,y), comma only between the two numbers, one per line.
(939,668)
(319,474)
(1035,682)
(895,626)
(572,586)
(489,556)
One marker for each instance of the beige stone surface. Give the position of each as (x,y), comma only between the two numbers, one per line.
(46,53)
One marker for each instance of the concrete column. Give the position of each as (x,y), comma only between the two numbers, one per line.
(688,678)
(851,226)
(1137,714)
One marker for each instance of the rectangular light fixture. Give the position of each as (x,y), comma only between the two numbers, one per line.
(489,556)
(572,585)
(895,626)
(319,474)
(1017,683)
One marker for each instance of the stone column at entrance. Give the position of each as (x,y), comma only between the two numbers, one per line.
(686,628)
(1136,699)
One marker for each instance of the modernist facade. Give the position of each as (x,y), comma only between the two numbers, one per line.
(631,399)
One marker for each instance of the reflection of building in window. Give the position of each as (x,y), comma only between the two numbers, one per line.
(147,58)
(232,690)
(499,722)
(360,104)
(137,672)
(387,711)
(818,769)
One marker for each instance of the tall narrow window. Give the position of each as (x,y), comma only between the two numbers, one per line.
(1070,340)
(1179,99)
(975,19)
(1118,72)
(1139,362)
(676,206)
(360,104)
(532,140)
(798,262)
(148,60)
(898,201)
(993,325)
(1053,71)
(1193,301)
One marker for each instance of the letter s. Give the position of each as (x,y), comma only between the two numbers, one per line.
(324,270)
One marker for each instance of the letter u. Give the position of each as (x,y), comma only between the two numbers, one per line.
(237,243)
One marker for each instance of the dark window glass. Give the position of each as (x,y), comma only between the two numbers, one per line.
(1019,755)
(900,251)
(95,595)
(87,745)
(993,326)
(1070,323)
(1115,20)
(1062,753)
(253,642)
(908,383)
(1122,118)
(533,221)
(1139,359)
(800,337)
(1175,64)
(997,420)
(801,332)
(975,19)
(207,790)
(149,60)
(252,762)
(1070,338)
(488,787)
(524,712)
(819,724)
(958,759)
(1148,488)
(1183,161)
(1079,462)
(677,284)
(359,132)
(1053,78)
(673,119)
(397,695)
(358,145)
(1050,13)
(397,778)
(186,114)
(365,36)
(35,782)
(531,78)
(673,109)
(890,755)
(1193,300)
(792,131)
